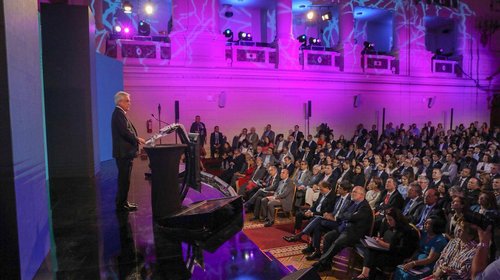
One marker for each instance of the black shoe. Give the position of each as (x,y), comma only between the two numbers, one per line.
(308,250)
(315,256)
(322,267)
(268,224)
(291,238)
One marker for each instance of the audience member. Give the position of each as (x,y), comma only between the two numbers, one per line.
(398,239)
(432,243)
(356,224)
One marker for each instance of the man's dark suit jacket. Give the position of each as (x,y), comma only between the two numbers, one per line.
(358,223)
(435,211)
(395,201)
(326,206)
(419,203)
(125,143)
(299,135)
(212,139)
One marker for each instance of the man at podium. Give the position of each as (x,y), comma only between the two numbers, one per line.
(125,148)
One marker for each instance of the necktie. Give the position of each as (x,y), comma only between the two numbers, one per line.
(386,200)
(318,208)
(300,176)
(423,217)
(338,207)
(407,208)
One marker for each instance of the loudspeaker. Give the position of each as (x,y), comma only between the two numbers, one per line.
(309,108)
(222,99)
(431,101)
(177,111)
(356,101)
(303,274)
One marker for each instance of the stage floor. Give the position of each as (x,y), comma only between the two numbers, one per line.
(91,241)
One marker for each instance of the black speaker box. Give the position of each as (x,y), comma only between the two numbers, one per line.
(303,274)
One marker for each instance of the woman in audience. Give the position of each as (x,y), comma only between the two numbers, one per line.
(267,143)
(358,179)
(458,204)
(456,259)
(243,178)
(279,144)
(398,237)
(484,166)
(487,204)
(415,163)
(432,244)
(226,148)
(405,184)
(374,190)
(444,200)
(341,140)
(391,167)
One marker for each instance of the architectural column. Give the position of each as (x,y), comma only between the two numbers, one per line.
(24,202)
(288,46)
(349,49)
(195,38)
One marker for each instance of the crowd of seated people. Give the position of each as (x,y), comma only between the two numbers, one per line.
(426,194)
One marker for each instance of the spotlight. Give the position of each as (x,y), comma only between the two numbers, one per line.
(118,29)
(440,51)
(126,30)
(314,41)
(368,45)
(127,7)
(302,38)
(310,15)
(228,33)
(369,48)
(144,28)
(228,14)
(243,36)
(326,16)
(148,8)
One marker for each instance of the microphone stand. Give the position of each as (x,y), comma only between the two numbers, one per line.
(159,118)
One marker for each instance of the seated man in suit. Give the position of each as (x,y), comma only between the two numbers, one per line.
(282,197)
(390,198)
(311,189)
(431,197)
(414,201)
(216,141)
(356,224)
(324,204)
(267,188)
(301,180)
(328,221)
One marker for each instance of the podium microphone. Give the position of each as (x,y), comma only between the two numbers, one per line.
(159,118)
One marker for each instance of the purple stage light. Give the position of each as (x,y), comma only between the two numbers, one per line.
(126,30)
(118,29)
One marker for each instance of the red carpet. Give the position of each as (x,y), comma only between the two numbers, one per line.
(271,237)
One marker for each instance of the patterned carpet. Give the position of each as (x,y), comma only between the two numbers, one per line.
(289,254)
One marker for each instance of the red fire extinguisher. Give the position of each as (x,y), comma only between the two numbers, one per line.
(149,126)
